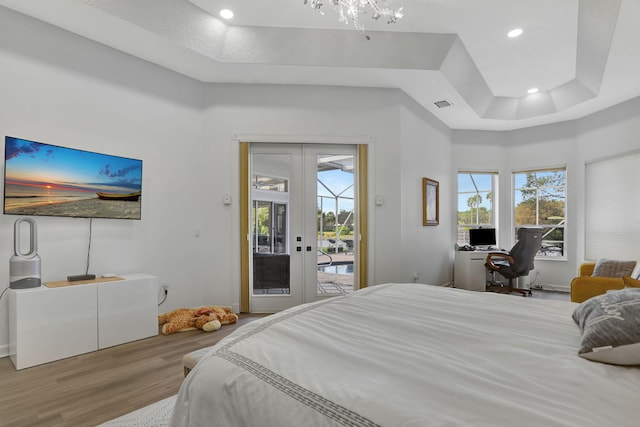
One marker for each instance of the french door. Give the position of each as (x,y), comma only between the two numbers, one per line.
(302,223)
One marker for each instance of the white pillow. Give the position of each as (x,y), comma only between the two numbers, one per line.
(610,325)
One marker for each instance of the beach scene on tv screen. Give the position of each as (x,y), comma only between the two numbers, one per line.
(49,180)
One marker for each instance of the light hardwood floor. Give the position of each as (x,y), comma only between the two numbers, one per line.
(92,388)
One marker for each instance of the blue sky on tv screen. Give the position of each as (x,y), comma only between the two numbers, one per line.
(33,168)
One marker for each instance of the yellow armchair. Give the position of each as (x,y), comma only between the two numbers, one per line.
(585,286)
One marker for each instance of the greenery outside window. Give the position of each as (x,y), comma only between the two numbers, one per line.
(540,200)
(475,202)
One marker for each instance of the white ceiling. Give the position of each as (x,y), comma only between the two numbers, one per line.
(581,54)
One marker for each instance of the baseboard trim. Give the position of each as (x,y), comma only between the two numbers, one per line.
(4,350)
(555,288)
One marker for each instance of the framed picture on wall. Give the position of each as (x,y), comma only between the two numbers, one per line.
(430,202)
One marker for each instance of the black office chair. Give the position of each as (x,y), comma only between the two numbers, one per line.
(518,262)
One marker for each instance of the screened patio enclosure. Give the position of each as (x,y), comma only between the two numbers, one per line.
(335,193)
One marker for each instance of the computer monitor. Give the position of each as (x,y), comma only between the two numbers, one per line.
(482,237)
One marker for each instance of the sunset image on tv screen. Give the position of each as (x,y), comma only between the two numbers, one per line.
(49,180)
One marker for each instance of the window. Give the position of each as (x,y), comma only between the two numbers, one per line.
(269,205)
(612,207)
(539,200)
(476,192)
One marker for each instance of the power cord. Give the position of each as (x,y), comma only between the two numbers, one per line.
(2,294)
(89,247)
(166,293)
(533,284)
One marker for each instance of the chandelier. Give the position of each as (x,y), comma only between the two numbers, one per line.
(350,10)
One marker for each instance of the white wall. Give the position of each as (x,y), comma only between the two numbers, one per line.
(426,152)
(61,89)
(610,132)
(532,148)
(379,114)
(542,147)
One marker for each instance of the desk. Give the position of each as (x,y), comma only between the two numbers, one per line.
(469,271)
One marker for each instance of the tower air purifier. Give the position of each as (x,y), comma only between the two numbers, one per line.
(24,267)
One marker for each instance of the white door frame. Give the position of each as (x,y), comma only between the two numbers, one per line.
(234,170)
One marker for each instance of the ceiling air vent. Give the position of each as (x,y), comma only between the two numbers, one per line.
(442,104)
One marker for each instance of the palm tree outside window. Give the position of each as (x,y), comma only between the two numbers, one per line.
(475,202)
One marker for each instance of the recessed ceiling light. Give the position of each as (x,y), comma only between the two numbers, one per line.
(532,90)
(226,13)
(514,33)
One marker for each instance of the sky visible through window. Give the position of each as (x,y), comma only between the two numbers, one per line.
(467,189)
(337,181)
(554,188)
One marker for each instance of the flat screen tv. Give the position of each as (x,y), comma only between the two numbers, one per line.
(482,237)
(49,180)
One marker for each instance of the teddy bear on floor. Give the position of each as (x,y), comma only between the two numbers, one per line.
(208,318)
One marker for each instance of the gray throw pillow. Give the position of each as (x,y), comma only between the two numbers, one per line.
(612,268)
(610,325)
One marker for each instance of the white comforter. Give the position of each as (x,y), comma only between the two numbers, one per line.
(410,355)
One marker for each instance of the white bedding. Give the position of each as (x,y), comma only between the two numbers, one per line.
(409,355)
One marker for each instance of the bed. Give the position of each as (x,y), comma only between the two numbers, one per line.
(410,355)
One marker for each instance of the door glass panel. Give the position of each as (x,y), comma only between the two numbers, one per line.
(261,221)
(269,225)
(279,228)
(270,183)
(335,224)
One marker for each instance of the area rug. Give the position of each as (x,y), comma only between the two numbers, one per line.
(155,415)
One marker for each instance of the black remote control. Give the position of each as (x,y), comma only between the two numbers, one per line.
(77,277)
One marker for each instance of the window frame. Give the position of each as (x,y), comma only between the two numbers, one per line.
(542,254)
(462,230)
(611,181)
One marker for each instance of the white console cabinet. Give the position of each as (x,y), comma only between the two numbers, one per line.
(47,324)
